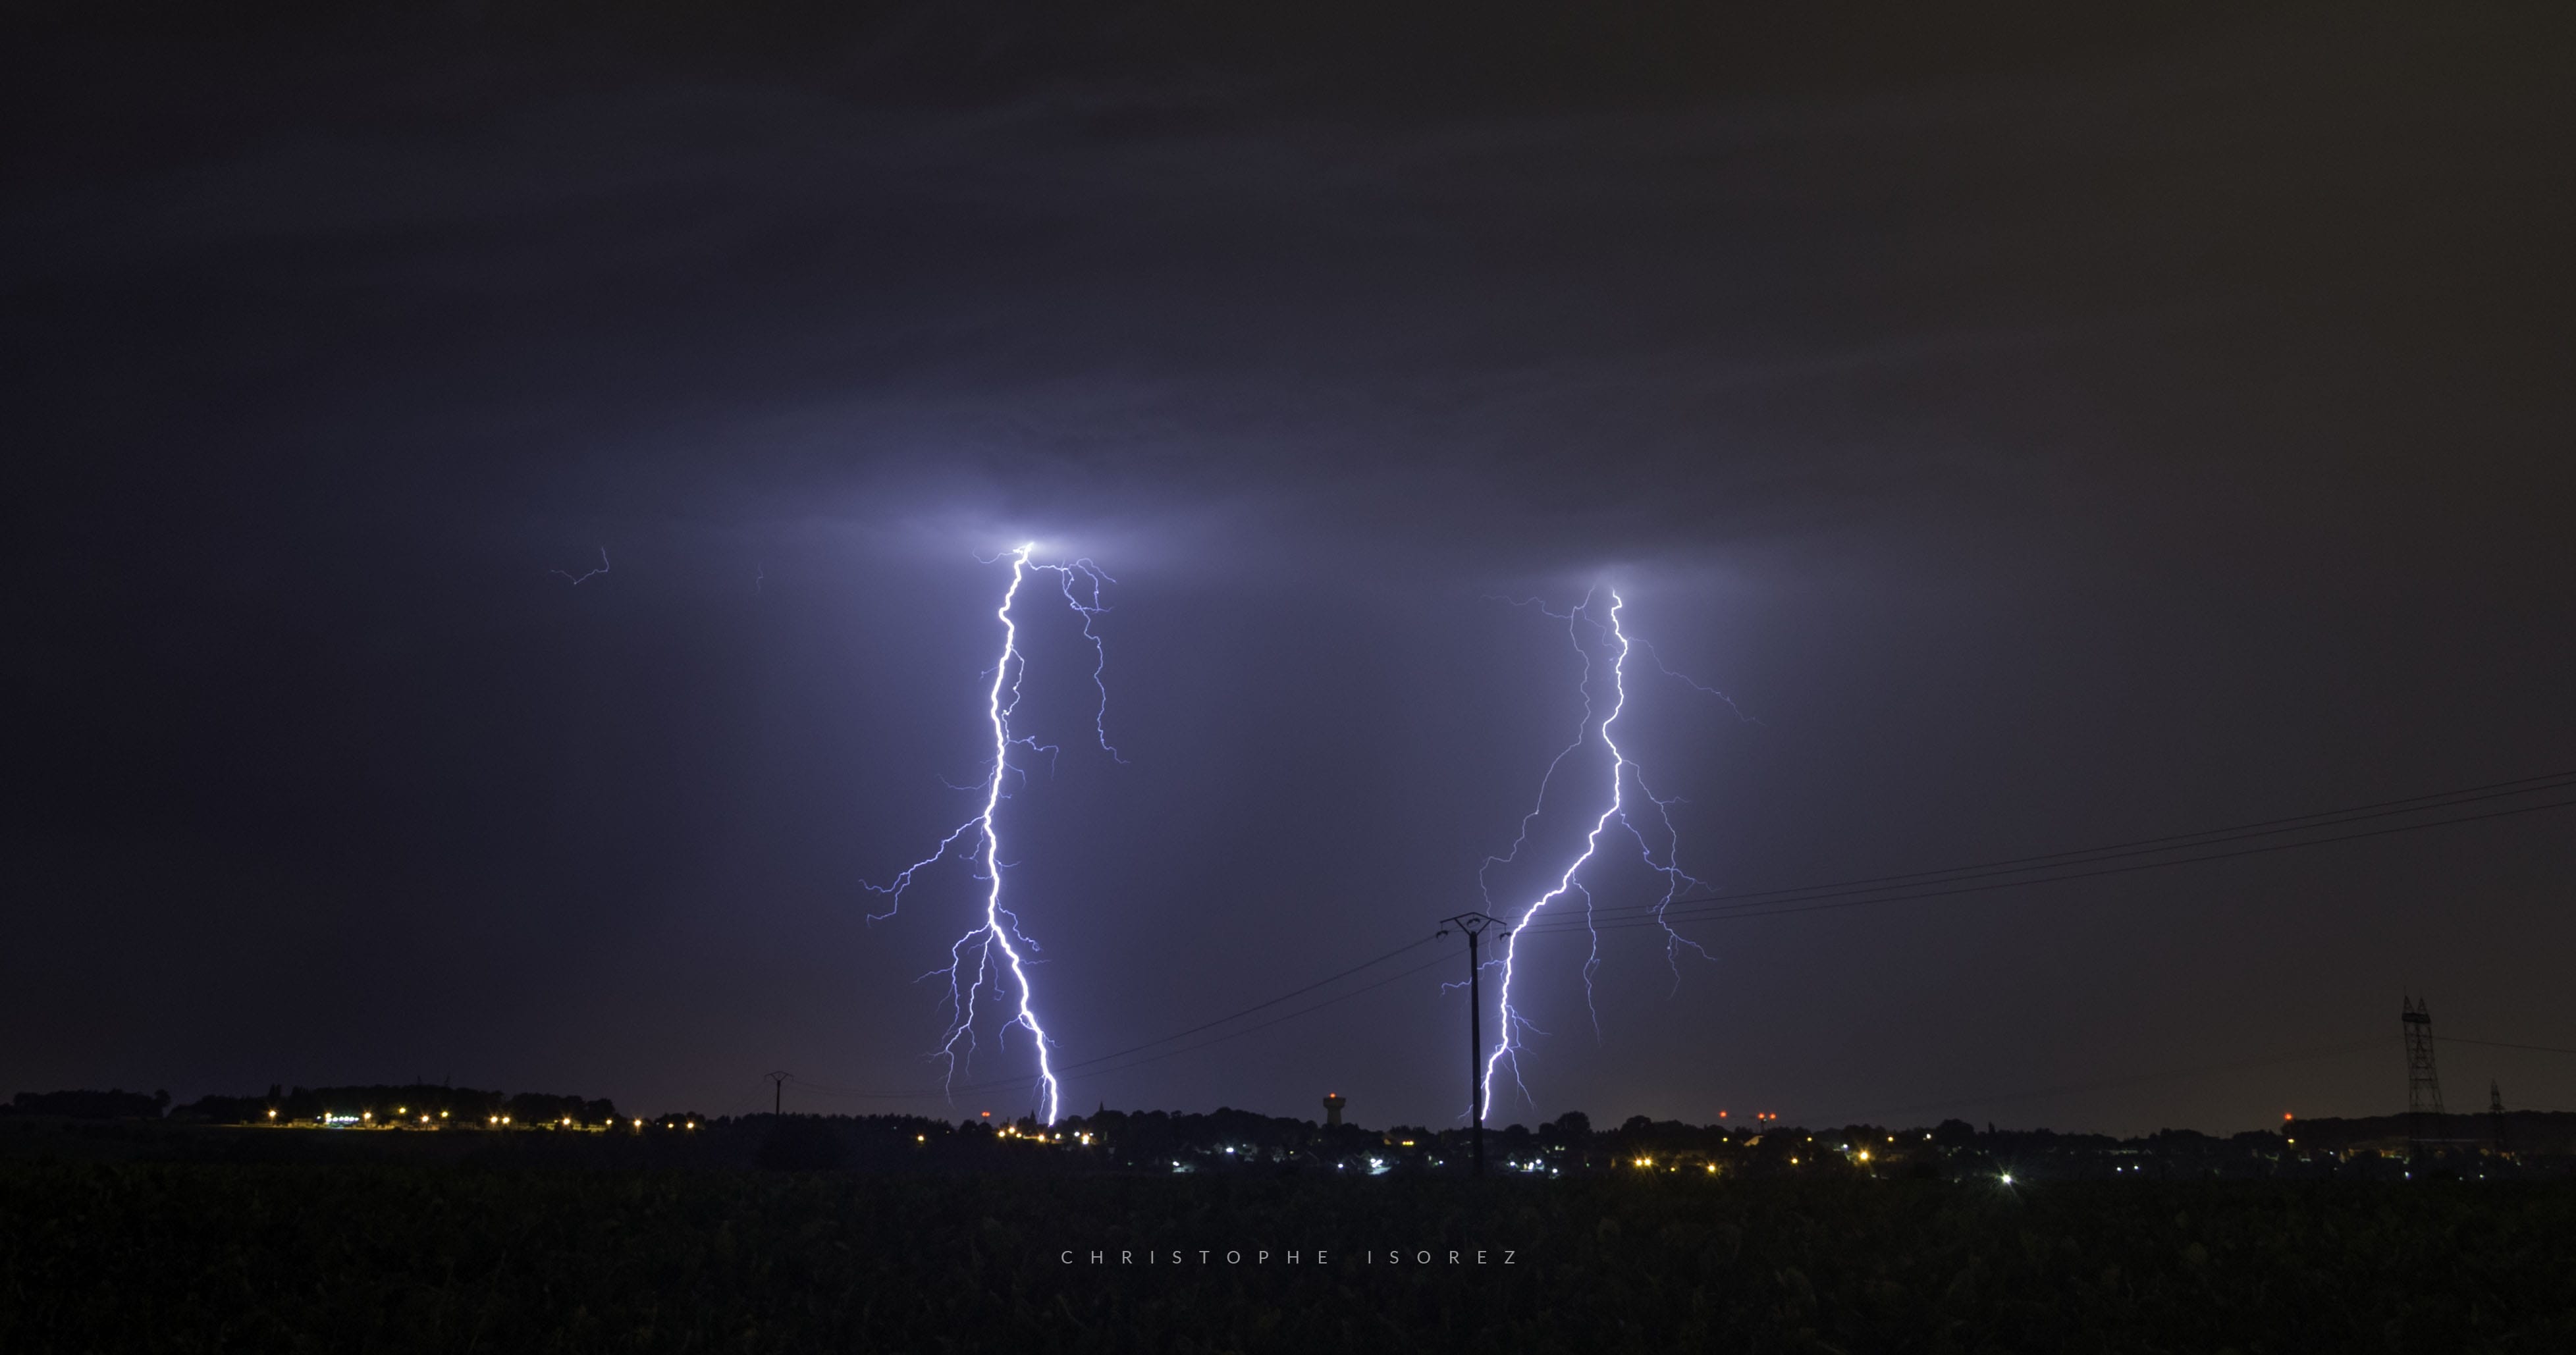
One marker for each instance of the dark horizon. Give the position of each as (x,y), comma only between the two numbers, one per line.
(2045,432)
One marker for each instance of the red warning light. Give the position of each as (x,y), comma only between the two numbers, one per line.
(988,1115)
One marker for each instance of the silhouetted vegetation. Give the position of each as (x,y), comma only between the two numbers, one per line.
(88,1105)
(801,1143)
(101,1257)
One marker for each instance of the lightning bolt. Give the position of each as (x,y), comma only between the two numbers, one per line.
(995,947)
(585,577)
(1624,772)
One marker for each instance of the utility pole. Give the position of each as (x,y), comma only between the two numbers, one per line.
(777,1091)
(1474,925)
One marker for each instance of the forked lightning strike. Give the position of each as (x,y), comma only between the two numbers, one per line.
(1623,770)
(1000,929)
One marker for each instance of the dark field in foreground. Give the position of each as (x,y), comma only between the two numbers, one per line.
(101,1256)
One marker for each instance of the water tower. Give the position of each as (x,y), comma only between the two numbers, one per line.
(1333,1110)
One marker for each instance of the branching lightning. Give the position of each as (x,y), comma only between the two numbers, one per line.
(1695,684)
(1090,611)
(995,947)
(1660,852)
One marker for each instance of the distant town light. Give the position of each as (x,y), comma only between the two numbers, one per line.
(272,1115)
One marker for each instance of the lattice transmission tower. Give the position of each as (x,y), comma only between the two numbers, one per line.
(2423,1082)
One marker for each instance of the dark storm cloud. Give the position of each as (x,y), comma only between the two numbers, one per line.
(2051,434)
(1604,329)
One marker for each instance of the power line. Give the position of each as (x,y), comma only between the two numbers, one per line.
(2500,1044)
(1867,890)
(1089,1063)
(2413,804)
(1150,1058)
(1734,910)
(1276,1020)
(1273,1002)
(2142,1079)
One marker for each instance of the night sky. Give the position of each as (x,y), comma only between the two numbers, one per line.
(2046,437)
